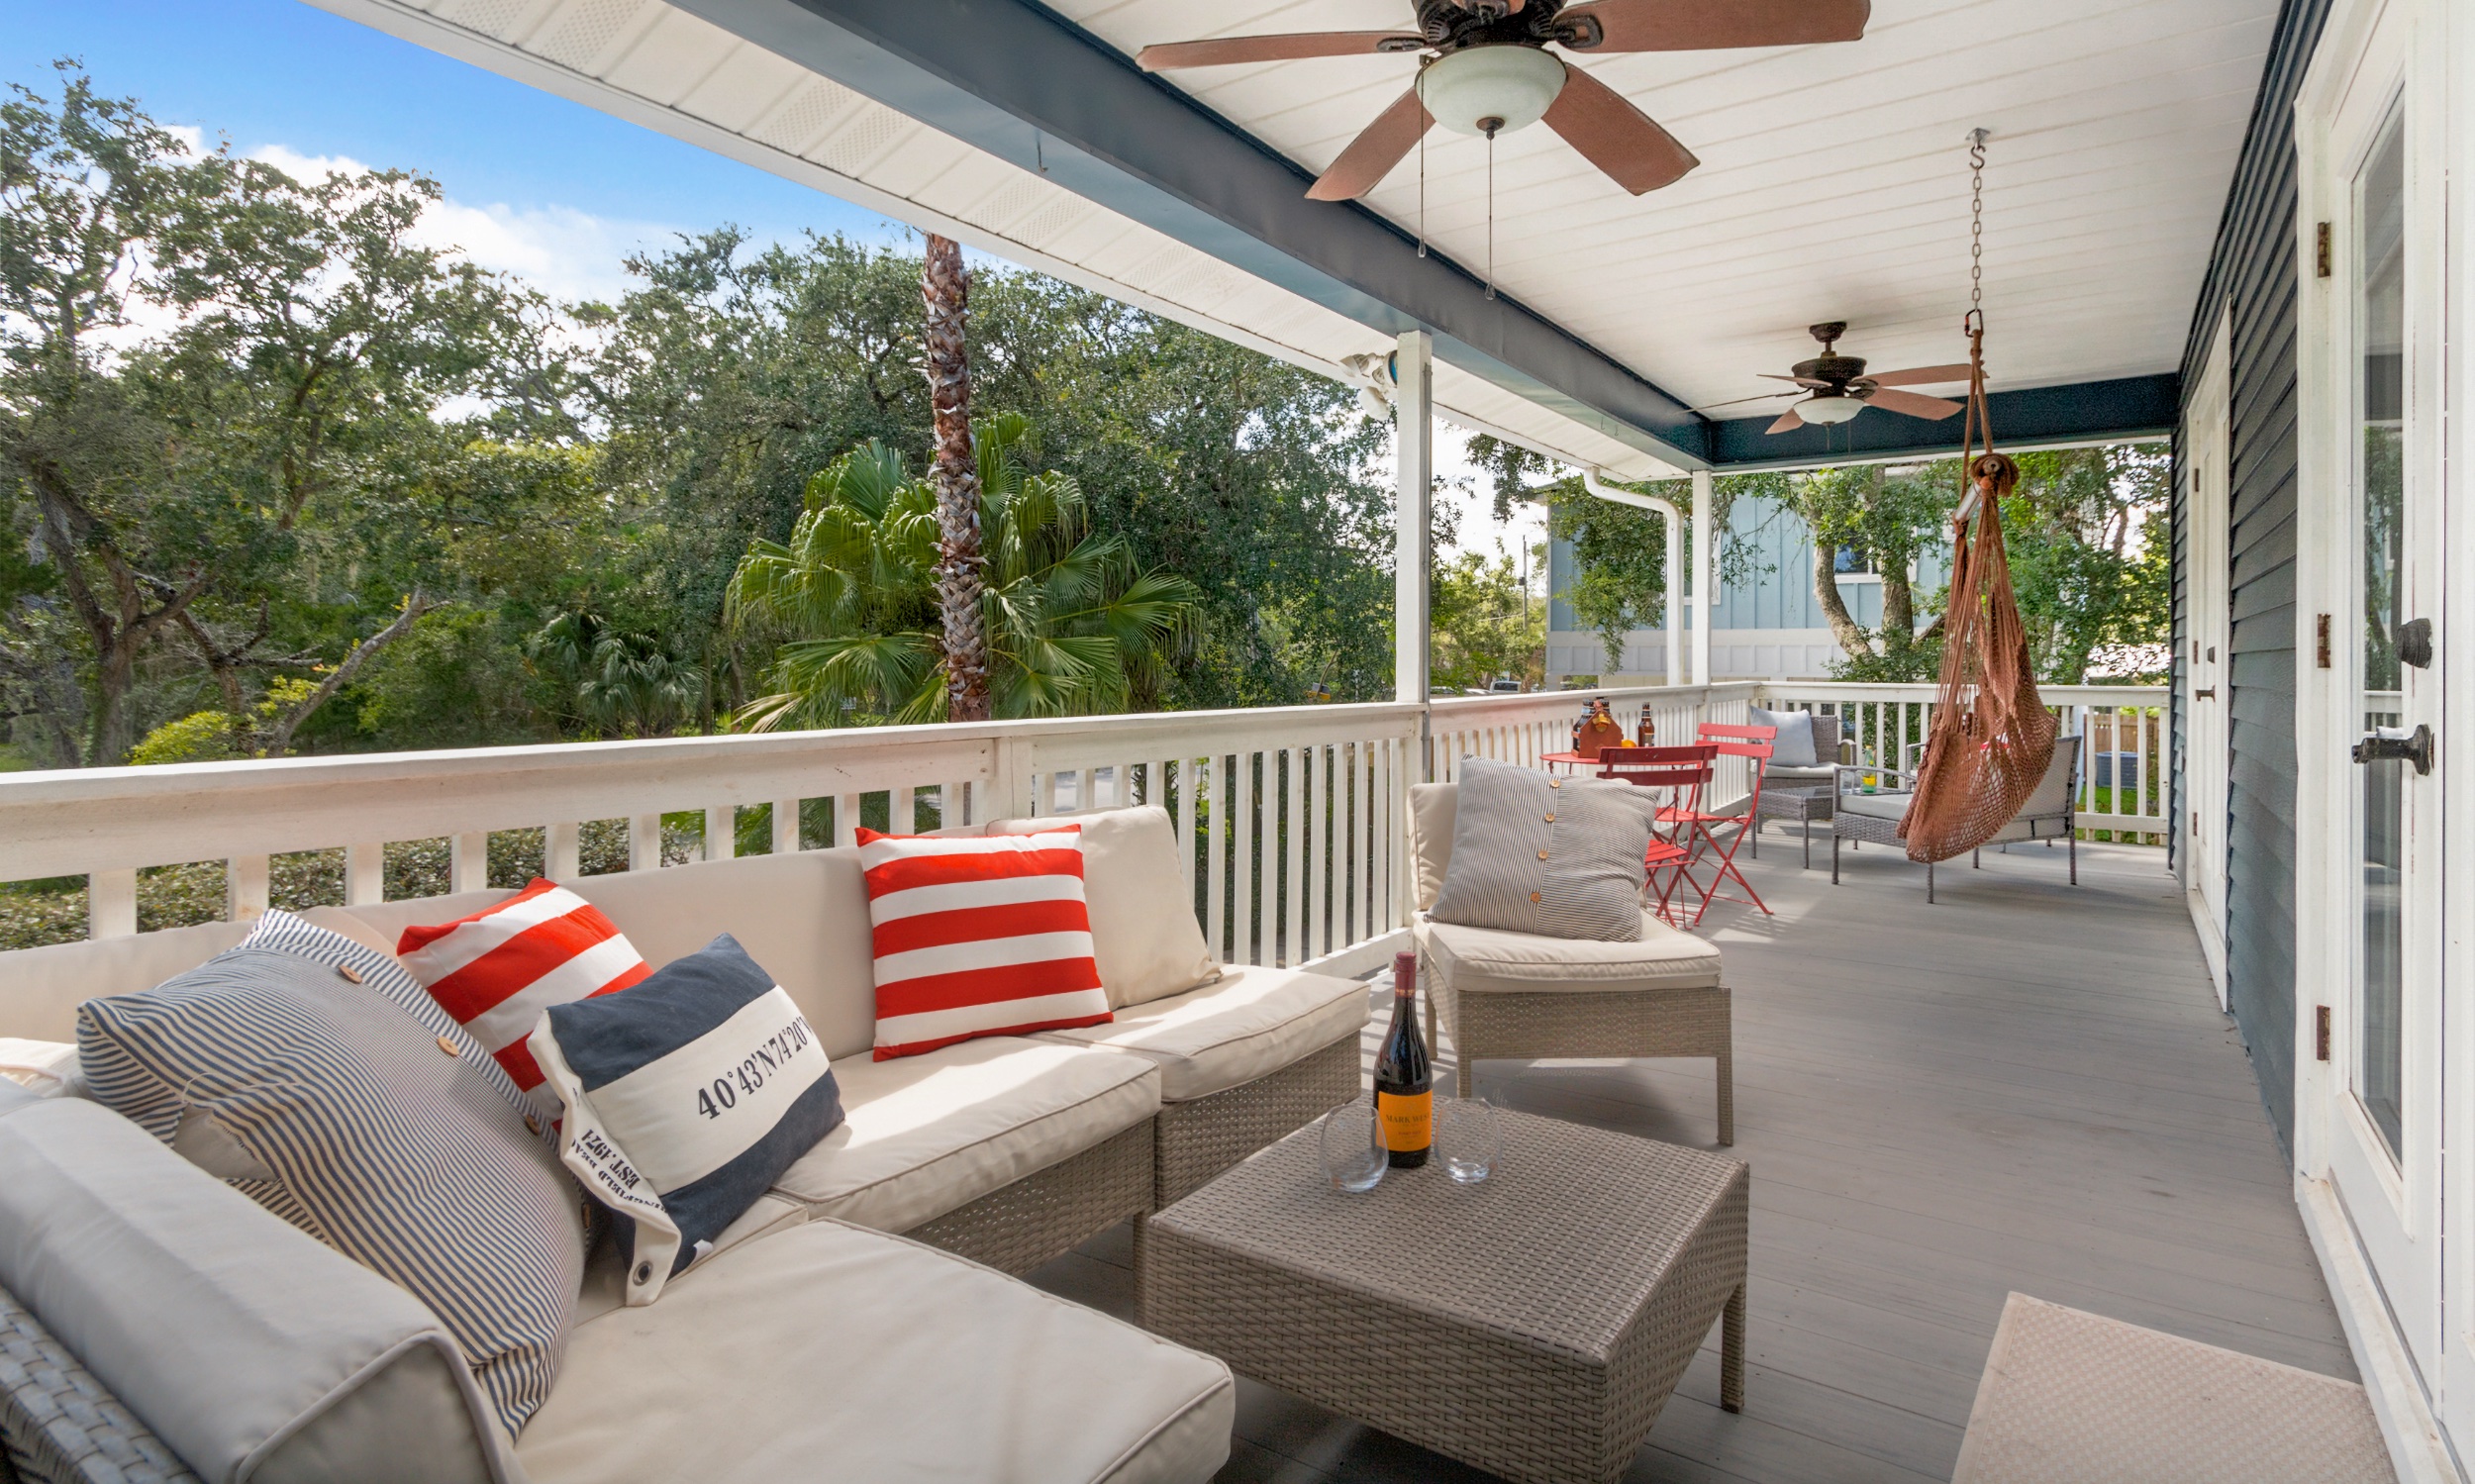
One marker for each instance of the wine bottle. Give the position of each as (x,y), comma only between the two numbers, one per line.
(1405,1085)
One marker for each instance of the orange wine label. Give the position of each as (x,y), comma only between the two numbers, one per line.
(1409,1119)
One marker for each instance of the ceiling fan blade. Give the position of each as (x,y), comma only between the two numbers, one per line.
(1615,136)
(1910,404)
(1228,51)
(1377,148)
(1922,376)
(1788,421)
(1812,381)
(1740,401)
(1710,24)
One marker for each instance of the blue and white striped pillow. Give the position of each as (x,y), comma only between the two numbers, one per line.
(686,1097)
(395,1141)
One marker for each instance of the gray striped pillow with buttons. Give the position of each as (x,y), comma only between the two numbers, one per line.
(319,1088)
(1558,857)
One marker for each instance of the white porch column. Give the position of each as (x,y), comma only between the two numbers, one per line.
(1414,426)
(1704,569)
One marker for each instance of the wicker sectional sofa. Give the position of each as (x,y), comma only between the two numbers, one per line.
(1006,1150)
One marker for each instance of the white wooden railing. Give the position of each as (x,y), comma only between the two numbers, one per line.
(2123,765)
(1295,817)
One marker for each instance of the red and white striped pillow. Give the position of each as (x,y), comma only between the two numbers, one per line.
(978,937)
(494,972)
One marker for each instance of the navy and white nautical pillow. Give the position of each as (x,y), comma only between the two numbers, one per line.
(686,1098)
(336,1098)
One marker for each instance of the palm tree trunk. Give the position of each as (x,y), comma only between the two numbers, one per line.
(959,562)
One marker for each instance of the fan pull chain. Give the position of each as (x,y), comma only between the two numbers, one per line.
(1422,192)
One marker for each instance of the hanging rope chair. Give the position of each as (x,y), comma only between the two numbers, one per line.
(1991,737)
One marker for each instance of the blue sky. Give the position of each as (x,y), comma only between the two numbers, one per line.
(537,184)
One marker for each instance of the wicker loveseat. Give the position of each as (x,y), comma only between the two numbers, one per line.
(1006,1149)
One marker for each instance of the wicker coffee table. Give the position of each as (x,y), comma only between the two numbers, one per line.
(1532,1325)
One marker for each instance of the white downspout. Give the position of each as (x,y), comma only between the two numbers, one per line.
(1705,570)
(1675,564)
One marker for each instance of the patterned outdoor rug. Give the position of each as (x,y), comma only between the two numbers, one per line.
(2073,1398)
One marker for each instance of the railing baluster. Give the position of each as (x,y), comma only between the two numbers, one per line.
(903,812)
(1293,873)
(643,841)
(1347,921)
(722,832)
(468,859)
(1313,935)
(1185,788)
(786,826)
(1216,859)
(365,874)
(245,888)
(562,851)
(1241,909)
(845,820)
(112,903)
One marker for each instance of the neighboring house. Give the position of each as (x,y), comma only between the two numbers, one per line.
(1768,627)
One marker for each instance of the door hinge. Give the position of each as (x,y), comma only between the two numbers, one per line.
(2324,250)
(2324,642)
(2319,1033)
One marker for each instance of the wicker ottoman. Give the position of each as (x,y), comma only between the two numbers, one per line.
(1533,1324)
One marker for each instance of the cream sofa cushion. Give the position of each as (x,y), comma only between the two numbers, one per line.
(383,924)
(1483,960)
(1142,913)
(830,1352)
(1252,1022)
(802,915)
(924,1134)
(251,1348)
(42,987)
(1435,808)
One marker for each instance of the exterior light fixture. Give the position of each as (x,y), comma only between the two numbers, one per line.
(1490,90)
(1829,410)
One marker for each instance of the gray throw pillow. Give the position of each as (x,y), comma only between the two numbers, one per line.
(383,1135)
(1555,856)
(1793,748)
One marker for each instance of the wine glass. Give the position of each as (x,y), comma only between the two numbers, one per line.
(1469,1135)
(1353,1157)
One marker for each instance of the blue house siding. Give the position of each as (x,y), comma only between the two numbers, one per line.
(2255,271)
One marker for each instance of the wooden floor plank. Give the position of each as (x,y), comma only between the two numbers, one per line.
(2026,1086)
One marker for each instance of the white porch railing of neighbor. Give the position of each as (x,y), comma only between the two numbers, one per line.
(1295,817)
(2122,764)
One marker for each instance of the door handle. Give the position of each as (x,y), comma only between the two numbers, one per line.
(2397,744)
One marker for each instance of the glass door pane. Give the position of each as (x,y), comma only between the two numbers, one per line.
(2380,318)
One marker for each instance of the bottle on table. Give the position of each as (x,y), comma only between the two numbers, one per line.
(1645,730)
(1405,1084)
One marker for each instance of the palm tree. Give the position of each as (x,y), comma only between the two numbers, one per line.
(855,597)
(960,560)
(620,682)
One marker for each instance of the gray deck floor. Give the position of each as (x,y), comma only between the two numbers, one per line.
(2029,1086)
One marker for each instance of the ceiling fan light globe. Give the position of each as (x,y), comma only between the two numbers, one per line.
(1829,411)
(1511,84)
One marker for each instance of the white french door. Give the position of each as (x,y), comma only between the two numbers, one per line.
(2206,657)
(2371,928)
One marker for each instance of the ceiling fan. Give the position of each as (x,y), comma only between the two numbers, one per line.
(1487,71)
(1835,388)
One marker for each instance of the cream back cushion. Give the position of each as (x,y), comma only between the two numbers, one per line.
(42,988)
(1143,915)
(804,915)
(1433,807)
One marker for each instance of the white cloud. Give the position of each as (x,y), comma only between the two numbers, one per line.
(566,253)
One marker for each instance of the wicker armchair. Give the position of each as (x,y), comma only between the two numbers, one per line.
(1515,995)
(2050,811)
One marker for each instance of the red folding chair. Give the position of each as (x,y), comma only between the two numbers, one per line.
(1701,830)
(1687,771)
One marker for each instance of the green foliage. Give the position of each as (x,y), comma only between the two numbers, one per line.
(199,736)
(1074,627)
(1620,551)
(1484,624)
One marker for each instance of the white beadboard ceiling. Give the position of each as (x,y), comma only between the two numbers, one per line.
(1832,182)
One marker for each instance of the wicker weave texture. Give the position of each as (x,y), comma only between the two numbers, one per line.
(1534,1324)
(1620,1023)
(1198,1139)
(57,1423)
(1049,1212)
